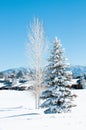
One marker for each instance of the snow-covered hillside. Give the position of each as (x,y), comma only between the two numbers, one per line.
(19,78)
(17,112)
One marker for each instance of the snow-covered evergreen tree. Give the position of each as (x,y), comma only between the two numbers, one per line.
(57,96)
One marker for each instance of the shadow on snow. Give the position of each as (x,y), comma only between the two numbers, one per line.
(20,115)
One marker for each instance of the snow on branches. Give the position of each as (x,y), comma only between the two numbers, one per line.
(57,96)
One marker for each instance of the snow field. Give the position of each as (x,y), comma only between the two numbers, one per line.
(17,112)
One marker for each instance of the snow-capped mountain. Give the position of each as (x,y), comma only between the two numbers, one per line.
(16,70)
(78,70)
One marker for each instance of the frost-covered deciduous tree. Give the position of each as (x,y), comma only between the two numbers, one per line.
(35,52)
(57,96)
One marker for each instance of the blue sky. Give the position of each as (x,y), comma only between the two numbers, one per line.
(65,19)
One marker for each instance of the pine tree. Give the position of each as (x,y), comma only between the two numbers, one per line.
(57,96)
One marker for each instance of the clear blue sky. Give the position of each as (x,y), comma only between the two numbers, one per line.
(65,19)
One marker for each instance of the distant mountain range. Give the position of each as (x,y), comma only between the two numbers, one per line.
(16,70)
(77,70)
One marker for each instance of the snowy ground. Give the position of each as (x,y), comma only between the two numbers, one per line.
(17,112)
